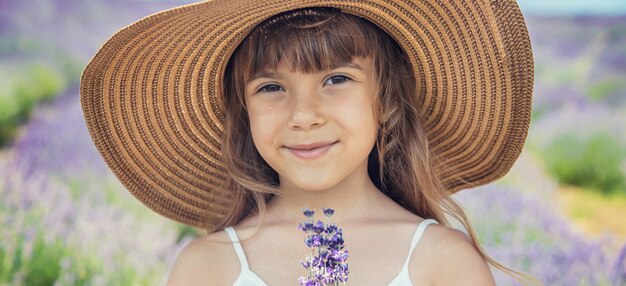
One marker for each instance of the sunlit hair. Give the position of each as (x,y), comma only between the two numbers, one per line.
(401,164)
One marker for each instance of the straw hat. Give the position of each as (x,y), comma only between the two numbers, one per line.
(152,103)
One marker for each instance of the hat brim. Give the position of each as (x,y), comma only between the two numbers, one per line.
(151,96)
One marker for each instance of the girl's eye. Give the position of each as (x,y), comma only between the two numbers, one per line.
(270,88)
(331,80)
(336,79)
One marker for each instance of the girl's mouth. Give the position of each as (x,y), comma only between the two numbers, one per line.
(311,151)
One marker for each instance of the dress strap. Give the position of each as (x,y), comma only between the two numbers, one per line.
(242,256)
(416,238)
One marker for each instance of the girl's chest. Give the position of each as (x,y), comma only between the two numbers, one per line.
(373,260)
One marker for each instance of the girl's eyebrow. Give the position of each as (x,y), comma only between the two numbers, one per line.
(274,74)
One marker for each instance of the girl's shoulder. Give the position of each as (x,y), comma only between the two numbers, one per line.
(442,253)
(451,258)
(205,261)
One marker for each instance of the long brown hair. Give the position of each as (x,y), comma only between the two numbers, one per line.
(314,39)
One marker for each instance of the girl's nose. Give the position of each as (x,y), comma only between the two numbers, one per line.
(306,112)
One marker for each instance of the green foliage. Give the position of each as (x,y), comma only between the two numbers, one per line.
(85,268)
(21,90)
(602,89)
(3,254)
(42,82)
(44,265)
(594,162)
(9,119)
(4,264)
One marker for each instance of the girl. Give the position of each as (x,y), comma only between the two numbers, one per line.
(379,111)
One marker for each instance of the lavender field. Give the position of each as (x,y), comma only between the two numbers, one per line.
(66,220)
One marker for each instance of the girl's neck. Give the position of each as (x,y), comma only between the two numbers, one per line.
(352,200)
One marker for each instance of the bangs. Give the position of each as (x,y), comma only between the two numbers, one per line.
(304,40)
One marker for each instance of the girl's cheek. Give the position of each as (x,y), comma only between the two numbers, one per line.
(265,112)
(265,121)
(357,108)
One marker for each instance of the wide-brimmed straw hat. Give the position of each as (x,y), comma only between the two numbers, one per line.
(153,105)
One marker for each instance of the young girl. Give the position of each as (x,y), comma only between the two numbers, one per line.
(377,110)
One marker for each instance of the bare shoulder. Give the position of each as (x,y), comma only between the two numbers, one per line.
(454,259)
(204,261)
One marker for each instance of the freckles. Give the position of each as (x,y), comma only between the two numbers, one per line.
(260,110)
(265,122)
(264,108)
(267,108)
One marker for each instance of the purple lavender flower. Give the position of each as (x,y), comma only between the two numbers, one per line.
(319,227)
(308,212)
(306,226)
(329,212)
(329,266)
(619,269)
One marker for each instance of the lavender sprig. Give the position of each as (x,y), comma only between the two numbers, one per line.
(327,264)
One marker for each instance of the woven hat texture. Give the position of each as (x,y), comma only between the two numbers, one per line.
(151,96)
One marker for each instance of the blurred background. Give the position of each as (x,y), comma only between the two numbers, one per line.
(559,214)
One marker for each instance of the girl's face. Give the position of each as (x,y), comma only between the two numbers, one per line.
(314,129)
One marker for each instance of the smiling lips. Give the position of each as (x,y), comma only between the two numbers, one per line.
(311,151)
